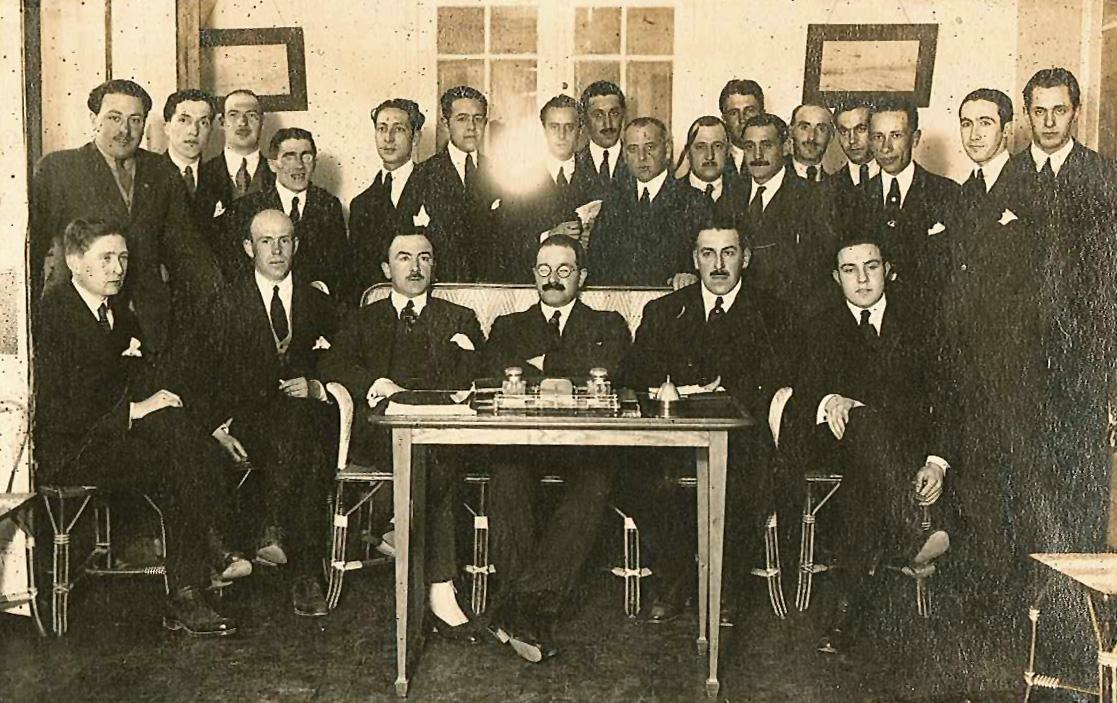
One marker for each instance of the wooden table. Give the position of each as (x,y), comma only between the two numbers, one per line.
(702,425)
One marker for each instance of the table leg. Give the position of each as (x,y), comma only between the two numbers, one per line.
(718,458)
(703,496)
(409,499)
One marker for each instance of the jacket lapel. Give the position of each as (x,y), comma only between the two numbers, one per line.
(105,182)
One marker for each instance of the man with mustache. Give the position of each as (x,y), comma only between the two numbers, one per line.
(411,341)
(538,562)
(706,154)
(741,99)
(789,232)
(324,255)
(112,178)
(812,127)
(643,234)
(392,201)
(719,333)
(604,110)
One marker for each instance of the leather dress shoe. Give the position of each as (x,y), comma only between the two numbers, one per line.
(271,550)
(666,605)
(227,564)
(836,639)
(307,597)
(466,633)
(188,611)
(529,627)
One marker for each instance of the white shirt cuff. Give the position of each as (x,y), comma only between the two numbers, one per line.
(820,414)
(939,462)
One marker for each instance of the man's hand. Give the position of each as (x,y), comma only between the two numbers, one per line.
(231,445)
(682,280)
(295,387)
(573,229)
(928,483)
(158,400)
(537,361)
(386,388)
(837,414)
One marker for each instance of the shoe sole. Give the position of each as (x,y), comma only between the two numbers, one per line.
(176,625)
(311,613)
(528,652)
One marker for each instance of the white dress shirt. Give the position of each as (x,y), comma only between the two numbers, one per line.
(700,185)
(457,157)
(94,303)
(181,165)
(738,156)
(399,300)
(771,187)
(709,299)
(399,178)
(855,171)
(801,169)
(553,165)
(904,177)
(233,160)
(564,312)
(991,169)
(1057,159)
(597,153)
(653,186)
(266,286)
(286,197)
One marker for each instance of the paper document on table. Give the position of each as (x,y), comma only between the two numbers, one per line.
(453,410)
(684,391)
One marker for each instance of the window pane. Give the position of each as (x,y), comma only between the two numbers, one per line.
(1109,12)
(513,116)
(452,73)
(651,30)
(597,30)
(461,30)
(586,72)
(648,92)
(514,30)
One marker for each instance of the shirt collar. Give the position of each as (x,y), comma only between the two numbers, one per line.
(876,312)
(564,311)
(286,196)
(700,184)
(709,300)
(855,170)
(653,186)
(399,300)
(991,169)
(553,165)
(770,187)
(597,152)
(129,163)
(233,159)
(457,157)
(738,156)
(904,177)
(801,168)
(91,300)
(399,177)
(267,286)
(1057,159)
(181,165)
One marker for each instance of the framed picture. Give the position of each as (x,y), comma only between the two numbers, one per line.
(271,62)
(864,61)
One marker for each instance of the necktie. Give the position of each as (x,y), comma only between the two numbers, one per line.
(756,207)
(556,331)
(242,181)
(1047,174)
(812,173)
(278,315)
(980,177)
(867,328)
(124,179)
(408,316)
(188,176)
(561,180)
(864,176)
(295,216)
(645,200)
(603,172)
(892,202)
(388,185)
(103,317)
(718,311)
(710,191)
(470,167)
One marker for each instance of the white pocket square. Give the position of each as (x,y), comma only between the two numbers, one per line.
(463,342)
(133,348)
(421,219)
(495,205)
(321,343)
(937,228)
(1006,217)
(218,209)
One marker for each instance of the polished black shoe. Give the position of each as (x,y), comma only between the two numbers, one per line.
(188,611)
(307,597)
(466,633)
(728,610)
(666,605)
(836,639)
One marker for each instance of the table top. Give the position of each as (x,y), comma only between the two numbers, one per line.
(10,502)
(1095,571)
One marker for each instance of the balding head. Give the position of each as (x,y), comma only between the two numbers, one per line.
(271,243)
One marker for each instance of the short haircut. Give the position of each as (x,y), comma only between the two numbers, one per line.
(81,233)
(648,122)
(890,104)
(848,105)
(719,222)
(238,91)
(692,134)
(767,119)
(117,86)
(741,86)
(861,233)
(598,89)
(286,133)
(414,231)
(560,102)
(183,96)
(1002,101)
(461,92)
(800,107)
(562,240)
(1053,78)
(252,223)
(414,116)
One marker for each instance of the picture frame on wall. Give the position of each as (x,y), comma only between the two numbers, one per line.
(866,61)
(269,61)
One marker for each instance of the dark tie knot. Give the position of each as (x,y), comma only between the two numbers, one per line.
(866,325)
(718,311)
(710,191)
(408,316)
(864,175)
(812,173)
(103,317)
(278,314)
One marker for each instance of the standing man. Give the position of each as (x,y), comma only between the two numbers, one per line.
(741,99)
(852,122)
(604,110)
(643,234)
(812,128)
(392,201)
(187,124)
(707,152)
(112,178)
(239,169)
(538,562)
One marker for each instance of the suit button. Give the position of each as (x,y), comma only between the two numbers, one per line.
(263,393)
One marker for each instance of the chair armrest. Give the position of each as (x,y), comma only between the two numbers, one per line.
(345,421)
(775,412)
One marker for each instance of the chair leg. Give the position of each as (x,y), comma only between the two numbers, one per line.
(480,569)
(60,577)
(772,566)
(163,537)
(806,557)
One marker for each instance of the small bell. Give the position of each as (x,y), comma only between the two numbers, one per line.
(667,393)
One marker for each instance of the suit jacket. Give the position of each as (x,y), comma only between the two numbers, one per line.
(162,236)
(630,246)
(749,354)
(323,253)
(215,185)
(789,162)
(598,190)
(464,225)
(362,352)
(731,206)
(591,338)
(373,222)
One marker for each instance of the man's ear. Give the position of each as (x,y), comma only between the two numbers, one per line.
(915,138)
(582,273)
(838,278)
(247,243)
(295,248)
(746,257)
(694,257)
(887,271)
(73,262)
(386,270)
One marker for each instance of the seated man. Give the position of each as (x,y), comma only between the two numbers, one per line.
(261,348)
(411,341)
(719,333)
(865,405)
(105,416)
(560,336)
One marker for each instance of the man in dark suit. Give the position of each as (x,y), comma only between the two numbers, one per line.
(105,415)
(270,402)
(644,231)
(719,333)
(319,222)
(867,404)
(240,169)
(812,128)
(187,123)
(111,178)
(460,195)
(604,109)
(741,99)
(789,233)
(851,120)
(390,204)
(537,566)
(707,152)
(915,205)
(411,341)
